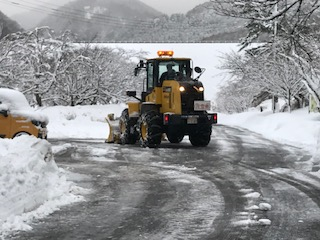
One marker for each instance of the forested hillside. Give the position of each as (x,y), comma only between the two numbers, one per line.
(134,21)
(7,25)
(101,20)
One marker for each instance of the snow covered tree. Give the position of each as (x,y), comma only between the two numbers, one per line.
(31,61)
(115,71)
(78,81)
(283,18)
(291,24)
(12,67)
(235,97)
(57,71)
(266,72)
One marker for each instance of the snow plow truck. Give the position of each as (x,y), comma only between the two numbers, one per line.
(171,103)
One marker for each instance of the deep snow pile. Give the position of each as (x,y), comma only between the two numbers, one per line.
(298,128)
(31,184)
(80,121)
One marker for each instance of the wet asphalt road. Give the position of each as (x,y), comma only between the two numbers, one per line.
(181,192)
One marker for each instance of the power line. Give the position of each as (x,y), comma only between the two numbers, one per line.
(77,15)
(77,11)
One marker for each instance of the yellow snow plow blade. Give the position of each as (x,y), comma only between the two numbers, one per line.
(114,130)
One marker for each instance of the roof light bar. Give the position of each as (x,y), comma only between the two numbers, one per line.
(165,53)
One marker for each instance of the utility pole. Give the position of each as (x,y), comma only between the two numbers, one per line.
(275,32)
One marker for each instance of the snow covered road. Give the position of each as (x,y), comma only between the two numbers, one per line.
(241,186)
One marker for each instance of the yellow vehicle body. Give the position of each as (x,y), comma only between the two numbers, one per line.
(18,118)
(12,126)
(172,104)
(167,96)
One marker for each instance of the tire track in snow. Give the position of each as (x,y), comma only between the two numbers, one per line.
(181,204)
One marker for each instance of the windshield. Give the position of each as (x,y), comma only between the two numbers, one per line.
(175,69)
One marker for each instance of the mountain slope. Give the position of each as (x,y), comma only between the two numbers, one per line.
(100,19)
(37,12)
(224,29)
(201,24)
(134,21)
(7,25)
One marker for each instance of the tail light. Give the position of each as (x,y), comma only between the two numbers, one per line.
(215,118)
(166,118)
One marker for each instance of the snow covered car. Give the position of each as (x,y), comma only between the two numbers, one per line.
(18,118)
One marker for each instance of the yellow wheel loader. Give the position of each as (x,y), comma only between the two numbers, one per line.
(172,103)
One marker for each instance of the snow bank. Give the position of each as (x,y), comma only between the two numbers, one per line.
(29,179)
(80,121)
(299,128)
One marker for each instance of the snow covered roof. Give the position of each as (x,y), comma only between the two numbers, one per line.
(17,104)
(14,100)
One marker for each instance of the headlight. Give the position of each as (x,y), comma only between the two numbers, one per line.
(182,89)
(198,89)
(36,123)
(39,123)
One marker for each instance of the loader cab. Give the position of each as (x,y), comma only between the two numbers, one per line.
(164,68)
(156,69)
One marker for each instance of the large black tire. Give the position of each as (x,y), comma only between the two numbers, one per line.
(175,137)
(201,135)
(128,135)
(150,130)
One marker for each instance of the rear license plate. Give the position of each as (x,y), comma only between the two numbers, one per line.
(192,120)
(202,105)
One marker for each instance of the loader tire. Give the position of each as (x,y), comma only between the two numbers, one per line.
(201,135)
(150,130)
(127,132)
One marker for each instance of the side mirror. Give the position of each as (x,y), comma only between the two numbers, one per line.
(136,71)
(198,70)
(131,93)
(4,113)
(142,64)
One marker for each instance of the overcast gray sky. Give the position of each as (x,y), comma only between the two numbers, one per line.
(165,6)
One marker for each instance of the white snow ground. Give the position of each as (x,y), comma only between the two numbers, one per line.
(33,186)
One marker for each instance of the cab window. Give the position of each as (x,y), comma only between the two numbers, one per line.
(150,76)
(182,69)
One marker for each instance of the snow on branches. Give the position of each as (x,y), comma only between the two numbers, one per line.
(255,73)
(57,71)
(290,32)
